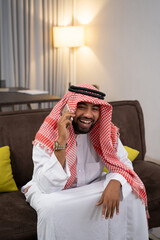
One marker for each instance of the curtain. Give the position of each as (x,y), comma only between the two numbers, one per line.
(27,56)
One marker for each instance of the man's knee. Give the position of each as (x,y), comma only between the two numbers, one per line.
(48,208)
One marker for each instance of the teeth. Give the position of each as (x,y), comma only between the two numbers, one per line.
(84,121)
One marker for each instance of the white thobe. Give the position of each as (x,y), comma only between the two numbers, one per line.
(72,214)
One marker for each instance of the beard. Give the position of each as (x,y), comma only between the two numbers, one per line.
(80,129)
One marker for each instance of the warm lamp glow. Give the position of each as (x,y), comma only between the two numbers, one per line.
(68,36)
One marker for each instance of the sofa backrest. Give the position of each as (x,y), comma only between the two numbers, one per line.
(128,117)
(18,129)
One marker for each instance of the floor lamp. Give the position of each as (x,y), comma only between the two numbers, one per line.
(71,37)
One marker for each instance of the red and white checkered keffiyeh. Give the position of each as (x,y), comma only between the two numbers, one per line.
(104,137)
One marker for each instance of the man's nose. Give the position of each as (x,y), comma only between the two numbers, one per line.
(88,113)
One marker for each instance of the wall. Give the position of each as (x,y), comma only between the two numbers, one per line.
(123,55)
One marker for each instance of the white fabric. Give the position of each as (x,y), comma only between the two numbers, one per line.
(74,210)
(72,214)
(50,176)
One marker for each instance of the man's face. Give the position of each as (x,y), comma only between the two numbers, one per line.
(87,114)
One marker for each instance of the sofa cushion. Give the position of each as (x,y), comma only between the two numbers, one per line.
(19,219)
(18,130)
(132,153)
(7,183)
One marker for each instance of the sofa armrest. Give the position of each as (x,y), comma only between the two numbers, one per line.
(149,173)
(149,159)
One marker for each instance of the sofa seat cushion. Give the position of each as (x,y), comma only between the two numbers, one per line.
(17,219)
(149,174)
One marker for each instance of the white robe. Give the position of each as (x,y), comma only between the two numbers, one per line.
(72,214)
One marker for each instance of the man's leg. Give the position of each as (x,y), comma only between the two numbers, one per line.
(72,214)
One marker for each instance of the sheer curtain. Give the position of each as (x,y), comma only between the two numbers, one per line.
(27,56)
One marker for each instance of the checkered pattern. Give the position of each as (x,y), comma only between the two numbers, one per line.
(104,137)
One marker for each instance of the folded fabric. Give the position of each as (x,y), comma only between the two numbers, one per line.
(132,154)
(7,183)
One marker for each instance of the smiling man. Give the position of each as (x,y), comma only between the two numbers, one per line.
(69,153)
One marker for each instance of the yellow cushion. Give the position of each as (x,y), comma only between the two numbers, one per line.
(7,183)
(132,154)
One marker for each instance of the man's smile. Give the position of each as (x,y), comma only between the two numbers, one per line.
(87,114)
(85,122)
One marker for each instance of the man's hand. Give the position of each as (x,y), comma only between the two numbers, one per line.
(63,134)
(63,124)
(26,189)
(110,199)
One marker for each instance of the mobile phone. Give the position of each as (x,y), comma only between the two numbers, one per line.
(65,109)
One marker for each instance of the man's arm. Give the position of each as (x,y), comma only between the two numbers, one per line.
(49,171)
(63,134)
(114,181)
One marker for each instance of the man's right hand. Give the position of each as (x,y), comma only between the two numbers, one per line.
(63,127)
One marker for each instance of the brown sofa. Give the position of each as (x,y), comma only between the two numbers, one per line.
(17,129)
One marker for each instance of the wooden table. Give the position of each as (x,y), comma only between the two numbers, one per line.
(12,98)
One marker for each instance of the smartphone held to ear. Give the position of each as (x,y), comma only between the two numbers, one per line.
(65,109)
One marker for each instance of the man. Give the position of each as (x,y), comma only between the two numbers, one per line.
(69,153)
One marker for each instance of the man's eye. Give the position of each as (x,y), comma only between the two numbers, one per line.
(96,109)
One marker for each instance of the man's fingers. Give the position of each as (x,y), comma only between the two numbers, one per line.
(26,189)
(112,209)
(68,115)
(109,206)
(103,209)
(68,123)
(117,207)
(100,201)
(65,123)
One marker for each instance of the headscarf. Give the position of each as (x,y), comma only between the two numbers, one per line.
(103,135)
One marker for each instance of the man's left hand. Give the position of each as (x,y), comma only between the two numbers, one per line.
(110,199)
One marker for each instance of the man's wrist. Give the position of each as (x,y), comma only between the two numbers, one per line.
(118,183)
(57,146)
(62,141)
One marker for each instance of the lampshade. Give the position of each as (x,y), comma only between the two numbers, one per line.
(68,36)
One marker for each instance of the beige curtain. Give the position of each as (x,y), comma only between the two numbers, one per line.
(27,56)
